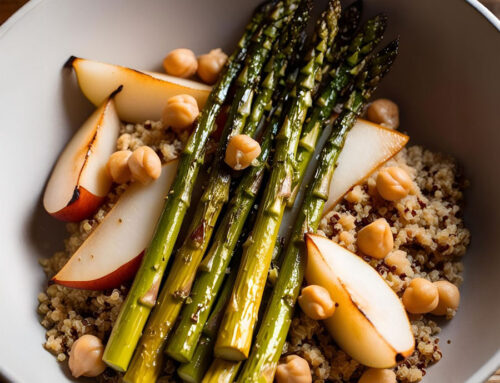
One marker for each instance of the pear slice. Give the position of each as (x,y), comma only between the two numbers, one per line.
(144,94)
(112,253)
(79,181)
(370,322)
(367,146)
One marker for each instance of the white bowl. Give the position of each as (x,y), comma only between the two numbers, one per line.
(446,82)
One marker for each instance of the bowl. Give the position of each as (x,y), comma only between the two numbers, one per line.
(446,82)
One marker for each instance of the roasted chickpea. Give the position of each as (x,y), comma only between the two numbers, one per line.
(241,151)
(181,63)
(376,375)
(421,296)
(384,112)
(144,164)
(316,302)
(376,239)
(180,112)
(85,357)
(393,183)
(294,369)
(118,166)
(449,297)
(210,65)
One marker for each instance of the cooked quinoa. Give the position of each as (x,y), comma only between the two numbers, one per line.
(427,227)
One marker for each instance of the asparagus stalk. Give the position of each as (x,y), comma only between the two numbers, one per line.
(261,365)
(183,342)
(195,313)
(194,371)
(141,298)
(282,54)
(222,371)
(212,325)
(146,363)
(348,26)
(235,335)
(338,79)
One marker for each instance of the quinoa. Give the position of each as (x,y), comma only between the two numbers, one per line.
(428,230)
(152,133)
(427,227)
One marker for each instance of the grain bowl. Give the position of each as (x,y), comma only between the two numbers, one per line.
(444,81)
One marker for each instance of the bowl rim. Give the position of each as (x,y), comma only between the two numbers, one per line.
(485,371)
(483,10)
(31,4)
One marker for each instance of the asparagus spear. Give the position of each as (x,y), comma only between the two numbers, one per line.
(222,371)
(195,313)
(261,365)
(348,26)
(235,335)
(194,371)
(282,54)
(338,79)
(136,308)
(146,363)
(213,322)
(183,342)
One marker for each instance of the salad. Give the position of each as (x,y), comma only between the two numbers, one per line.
(200,248)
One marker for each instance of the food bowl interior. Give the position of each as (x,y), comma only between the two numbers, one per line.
(445,81)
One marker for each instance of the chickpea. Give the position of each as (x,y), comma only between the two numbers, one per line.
(144,164)
(316,302)
(421,296)
(294,370)
(384,112)
(181,63)
(449,297)
(210,65)
(180,112)
(376,239)
(118,166)
(376,375)
(241,151)
(393,183)
(85,357)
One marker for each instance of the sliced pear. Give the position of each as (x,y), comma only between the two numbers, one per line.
(79,181)
(370,322)
(113,251)
(367,146)
(144,94)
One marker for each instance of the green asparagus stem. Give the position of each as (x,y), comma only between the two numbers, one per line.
(222,371)
(194,371)
(147,361)
(183,342)
(195,313)
(338,79)
(261,365)
(212,325)
(235,335)
(282,53)
(348,26)
(142,295)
